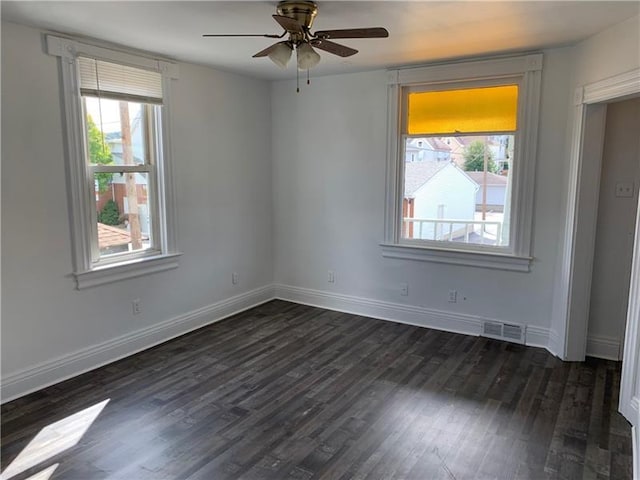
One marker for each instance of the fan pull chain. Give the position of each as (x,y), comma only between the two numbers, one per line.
(297,70)
(308,81)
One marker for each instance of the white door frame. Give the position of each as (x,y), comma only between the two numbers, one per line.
(576,257)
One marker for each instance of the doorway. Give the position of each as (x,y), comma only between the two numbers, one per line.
(571,312)
(615,228)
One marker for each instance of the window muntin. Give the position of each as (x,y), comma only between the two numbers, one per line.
(477,118)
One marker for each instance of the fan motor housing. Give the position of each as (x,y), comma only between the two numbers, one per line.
(303,12)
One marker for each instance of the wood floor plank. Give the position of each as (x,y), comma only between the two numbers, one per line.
(287,391)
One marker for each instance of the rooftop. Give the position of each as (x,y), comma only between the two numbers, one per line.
(417,174)
(109,236)
(492,178)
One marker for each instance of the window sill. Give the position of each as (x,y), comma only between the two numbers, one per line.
(494,261)
(125,270)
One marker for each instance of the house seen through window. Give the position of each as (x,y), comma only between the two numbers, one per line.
(458,158)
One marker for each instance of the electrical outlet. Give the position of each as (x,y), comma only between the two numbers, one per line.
(331,278)
(453,296)
(624,189)
(136,306)
(234,278)
(404,289)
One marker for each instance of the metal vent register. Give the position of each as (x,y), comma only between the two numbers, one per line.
(504,331)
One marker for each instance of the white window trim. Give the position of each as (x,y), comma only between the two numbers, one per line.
(86,273)
(518,258)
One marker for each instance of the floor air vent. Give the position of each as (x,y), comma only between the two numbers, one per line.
(504,331)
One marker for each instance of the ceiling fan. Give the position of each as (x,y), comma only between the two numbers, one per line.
(296,17)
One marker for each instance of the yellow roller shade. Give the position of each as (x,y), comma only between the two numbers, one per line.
(490,109)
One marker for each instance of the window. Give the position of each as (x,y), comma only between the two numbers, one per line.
(469,199)
(116,106)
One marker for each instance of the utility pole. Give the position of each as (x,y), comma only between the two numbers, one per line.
(132,192)
(484,179)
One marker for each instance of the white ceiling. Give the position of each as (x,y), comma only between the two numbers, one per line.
(419,31)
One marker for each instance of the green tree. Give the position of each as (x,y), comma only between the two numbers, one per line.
(110,215)
(99,153)
(474,158)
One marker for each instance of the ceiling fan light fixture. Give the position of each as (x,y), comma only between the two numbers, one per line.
(296,17)
(307,56)
(281,54)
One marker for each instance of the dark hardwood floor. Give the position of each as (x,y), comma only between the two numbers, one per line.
(285,391)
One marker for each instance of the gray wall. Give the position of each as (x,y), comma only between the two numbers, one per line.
(221,158)
(329,197)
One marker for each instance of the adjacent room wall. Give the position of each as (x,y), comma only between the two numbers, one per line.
(329,154)
(615,230)
(222,164)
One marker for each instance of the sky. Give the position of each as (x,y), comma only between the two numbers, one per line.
(106,113)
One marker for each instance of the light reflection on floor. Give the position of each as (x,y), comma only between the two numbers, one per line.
(44,474)
(51,441)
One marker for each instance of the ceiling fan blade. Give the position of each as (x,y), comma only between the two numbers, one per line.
(268,50)
(374,32)
(267,35)
(289,24)
(332,47)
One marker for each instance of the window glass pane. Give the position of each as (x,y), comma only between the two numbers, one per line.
(124,220)
(116,132)
(487,109)
(458,189)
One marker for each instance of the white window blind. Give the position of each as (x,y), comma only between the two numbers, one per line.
(121,82)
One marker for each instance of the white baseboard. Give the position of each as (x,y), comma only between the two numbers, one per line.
(635,435)
(553,345)
(47,373)
(603,347)
(396,312)
(633,412)
(538,337)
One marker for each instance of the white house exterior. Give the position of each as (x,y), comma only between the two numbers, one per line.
(114,140)
(439,191)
